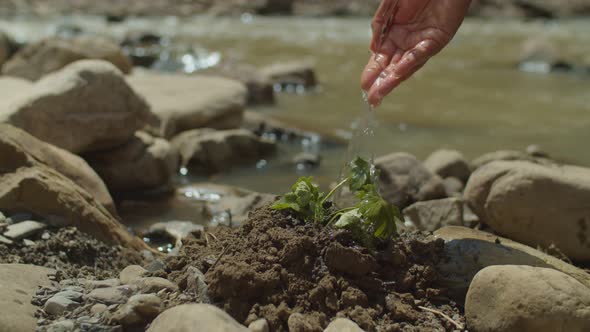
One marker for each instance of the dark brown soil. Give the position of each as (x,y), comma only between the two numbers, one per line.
(72,253)
(275,265)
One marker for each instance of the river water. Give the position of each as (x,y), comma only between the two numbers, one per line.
(471,97)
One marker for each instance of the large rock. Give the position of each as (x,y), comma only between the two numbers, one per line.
(209,151)
(508,155)
(84,107)
(188,102)
(404,180)
(119,167)
(535,204)
(260,87)
(186,317)
(526,299)
(469,251)
(448,163)
(48,55)
(45,192)
(18,284)
(432,215)
(16,146)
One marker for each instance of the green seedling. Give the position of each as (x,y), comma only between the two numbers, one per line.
(371,217)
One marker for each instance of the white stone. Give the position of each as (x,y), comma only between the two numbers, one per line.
(24,229)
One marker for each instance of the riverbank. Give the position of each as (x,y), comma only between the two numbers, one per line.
(118,11)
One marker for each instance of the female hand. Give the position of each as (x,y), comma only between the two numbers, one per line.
(417,30)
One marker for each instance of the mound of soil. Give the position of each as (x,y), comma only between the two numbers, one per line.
(276,265)
(72,253)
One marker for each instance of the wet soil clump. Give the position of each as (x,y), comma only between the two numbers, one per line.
(72,253)
(300,277)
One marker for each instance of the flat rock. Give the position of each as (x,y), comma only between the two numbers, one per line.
(516,298)
(183,103)
(93,284)
(89,101)
(468,251)
(404,180)
(155,284)
(61,202)
(208,151)
(538,205)
(112,295)
(24,229)
(185,317)
(48,55)
(18,285)
(448,163)
(21,149)
(432,215)
(343,325)
(118,167)
(58,304)
(132,273)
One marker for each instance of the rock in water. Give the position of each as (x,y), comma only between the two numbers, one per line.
(526,299)
(291,73)
(119,167)
(538,205)
(186,317)
(18,285)
(468,251)
(404,180)
(49,55)
(188,102)
(61,202)
(260,88)
(448,163)
(84,107)
(209,151)
(18,147)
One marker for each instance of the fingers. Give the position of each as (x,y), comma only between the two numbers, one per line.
(377,63)
(400,69)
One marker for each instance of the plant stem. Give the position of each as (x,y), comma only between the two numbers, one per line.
(333,191)
(339,213)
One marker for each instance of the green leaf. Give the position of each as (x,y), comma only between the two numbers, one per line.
(348,218)
(379,215)
(305,199)
(288,201)
(360,174)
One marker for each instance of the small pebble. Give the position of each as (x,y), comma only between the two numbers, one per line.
(62,326)
(46,236)
(28,243)
(2,217)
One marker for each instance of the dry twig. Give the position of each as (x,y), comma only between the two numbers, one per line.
(445,316)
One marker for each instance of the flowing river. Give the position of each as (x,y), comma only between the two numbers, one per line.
(471,97)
